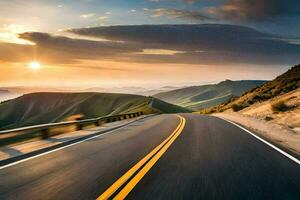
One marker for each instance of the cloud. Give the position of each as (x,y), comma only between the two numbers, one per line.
(211,44)
(9,33)
(160,52)
(255,10)
(58,49)
(87,15)
(234,11)
(189,1)
(205,43)
(132,11)
(103,18)
(194,15)
(178,37)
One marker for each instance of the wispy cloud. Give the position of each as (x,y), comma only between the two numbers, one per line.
(255,10)
(103,18)
(160,52)
(132,11)
(234,10)
(181,14)
(9,33)
(62,50)
(87,15)
(189,1)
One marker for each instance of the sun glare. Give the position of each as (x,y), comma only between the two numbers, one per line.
(34,65)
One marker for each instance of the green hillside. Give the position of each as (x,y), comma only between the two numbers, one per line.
(164,107)
(205,96)
(39,108)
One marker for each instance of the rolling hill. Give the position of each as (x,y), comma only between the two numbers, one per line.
(282,84)
(205,96)
(39,108)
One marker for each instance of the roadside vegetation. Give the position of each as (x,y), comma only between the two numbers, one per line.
(279,106)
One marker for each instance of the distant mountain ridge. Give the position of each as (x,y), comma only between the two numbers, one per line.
(39,108)
(20,90)
(205,96)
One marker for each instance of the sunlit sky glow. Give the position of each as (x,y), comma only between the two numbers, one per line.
(97,43)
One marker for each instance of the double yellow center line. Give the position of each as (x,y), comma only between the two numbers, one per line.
(145,164)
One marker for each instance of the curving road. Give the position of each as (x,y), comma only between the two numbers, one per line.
(160,157)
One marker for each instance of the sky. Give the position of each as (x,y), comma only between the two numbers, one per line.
(145,43)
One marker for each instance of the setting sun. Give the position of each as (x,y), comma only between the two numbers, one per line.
(34,65)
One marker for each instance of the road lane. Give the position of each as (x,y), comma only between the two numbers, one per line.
(85,170)
(162,148)
(213,159)
(210,159)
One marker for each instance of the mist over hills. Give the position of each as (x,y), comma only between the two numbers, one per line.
(39,108)
(205,96)
(131,90)
(7,93)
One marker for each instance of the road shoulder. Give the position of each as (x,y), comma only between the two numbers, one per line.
(275,135)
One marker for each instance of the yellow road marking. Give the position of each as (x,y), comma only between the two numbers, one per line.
(115,186)
(134,181)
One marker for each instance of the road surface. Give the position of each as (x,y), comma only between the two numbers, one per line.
(160,157)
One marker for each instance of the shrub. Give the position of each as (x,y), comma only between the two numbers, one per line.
(279,106)
(268,118)
(237,107)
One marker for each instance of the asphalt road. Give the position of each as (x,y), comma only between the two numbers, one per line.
(161,157)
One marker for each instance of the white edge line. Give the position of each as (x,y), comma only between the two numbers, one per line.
(60,148)
(264,141)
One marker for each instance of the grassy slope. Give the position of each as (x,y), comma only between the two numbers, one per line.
(284,83)
(164,107)
(205,96)
(38,108)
